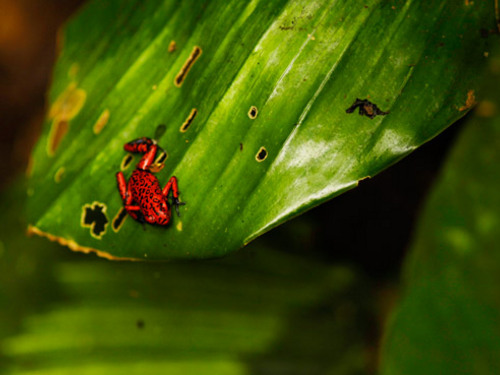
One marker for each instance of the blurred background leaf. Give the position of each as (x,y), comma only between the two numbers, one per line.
(448,321)
(301,64)
(243,314)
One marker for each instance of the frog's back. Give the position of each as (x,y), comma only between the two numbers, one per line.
(144,187)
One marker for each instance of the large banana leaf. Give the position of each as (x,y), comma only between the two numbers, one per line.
(249,99)
(448,321)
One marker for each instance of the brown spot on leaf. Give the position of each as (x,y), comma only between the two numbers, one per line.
(470,102)
(66,107)
(57,133)
(172,46)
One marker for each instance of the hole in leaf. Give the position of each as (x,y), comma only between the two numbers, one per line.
(94,217)
(261,155)
(119,219)
(189,120)
(181,76)
(127,159)
(161,158)
(159,162)
(252,113)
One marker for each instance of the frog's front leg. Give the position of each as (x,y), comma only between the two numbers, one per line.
(172,185)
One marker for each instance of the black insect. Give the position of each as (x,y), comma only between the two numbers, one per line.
(366,108)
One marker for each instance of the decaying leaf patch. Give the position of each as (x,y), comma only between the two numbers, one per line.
(65,108)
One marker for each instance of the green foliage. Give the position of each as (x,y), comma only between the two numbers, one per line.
(300,63)
(448,321)
(260,311)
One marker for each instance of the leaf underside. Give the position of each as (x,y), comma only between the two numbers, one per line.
(252,97)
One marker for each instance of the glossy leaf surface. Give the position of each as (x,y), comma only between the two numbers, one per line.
(122,75)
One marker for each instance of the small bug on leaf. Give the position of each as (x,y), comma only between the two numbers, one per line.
(366,108)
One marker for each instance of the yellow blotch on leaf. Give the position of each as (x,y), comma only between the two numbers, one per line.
(101,121)
(66,107)
(59,174)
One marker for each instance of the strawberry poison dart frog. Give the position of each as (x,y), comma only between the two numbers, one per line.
(142,196)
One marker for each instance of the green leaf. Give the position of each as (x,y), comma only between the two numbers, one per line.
(448,321)
(66,313)
(301,64)
(185,318)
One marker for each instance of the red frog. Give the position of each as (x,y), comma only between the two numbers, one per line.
(142,196)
